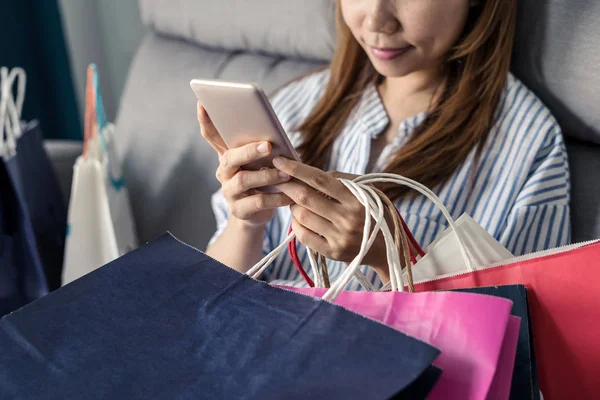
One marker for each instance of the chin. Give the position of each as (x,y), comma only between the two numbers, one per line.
(389,70)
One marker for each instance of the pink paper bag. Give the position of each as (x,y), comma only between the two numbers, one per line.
(468,328)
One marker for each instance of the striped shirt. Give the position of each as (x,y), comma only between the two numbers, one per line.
(521,186)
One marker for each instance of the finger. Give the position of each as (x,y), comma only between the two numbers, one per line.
(313,177)
(307,197)
(313,222)
(235,158)
(310,239)
(209,131)
(248,206)
(342,175)
(246,180)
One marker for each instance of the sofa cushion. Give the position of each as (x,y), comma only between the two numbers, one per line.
(293,28)
(556,55)
(168,167)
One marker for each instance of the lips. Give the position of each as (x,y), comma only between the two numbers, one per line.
(387,54)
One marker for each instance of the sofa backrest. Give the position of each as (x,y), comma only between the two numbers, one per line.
(556,55)
(169,168)
(289,29)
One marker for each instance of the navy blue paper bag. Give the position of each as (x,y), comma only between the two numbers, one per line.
(36,186)
(32,223)
(166,321)
(22,277)
(525,384)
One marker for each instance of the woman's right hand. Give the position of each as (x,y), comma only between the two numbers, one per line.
(239,186)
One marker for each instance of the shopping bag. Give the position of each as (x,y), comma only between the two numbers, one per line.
(525,384)
(33,178)
(167,321)
(21,272)
(564,302)
(100,222)
(468,329)
(444,257)
(22,277)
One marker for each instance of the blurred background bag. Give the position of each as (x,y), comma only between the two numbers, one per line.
(32,212)
(101,226)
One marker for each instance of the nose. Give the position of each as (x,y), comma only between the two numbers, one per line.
(381,18)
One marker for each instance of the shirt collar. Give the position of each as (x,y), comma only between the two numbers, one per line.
(373,115)
(375,119)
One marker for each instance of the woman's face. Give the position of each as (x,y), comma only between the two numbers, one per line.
(405,36)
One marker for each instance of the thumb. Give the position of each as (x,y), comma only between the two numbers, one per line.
(209,131)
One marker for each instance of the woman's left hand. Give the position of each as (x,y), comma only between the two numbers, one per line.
(331,226)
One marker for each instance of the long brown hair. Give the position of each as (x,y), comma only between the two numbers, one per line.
(456,123)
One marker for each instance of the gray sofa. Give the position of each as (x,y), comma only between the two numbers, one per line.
(170,170)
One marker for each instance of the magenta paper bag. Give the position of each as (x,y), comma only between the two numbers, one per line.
(468,328)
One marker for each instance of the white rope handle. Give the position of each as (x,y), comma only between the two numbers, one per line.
(10,109)
(393,257)
(377,212)
(373,207)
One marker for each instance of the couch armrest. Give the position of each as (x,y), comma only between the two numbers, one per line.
(63,154)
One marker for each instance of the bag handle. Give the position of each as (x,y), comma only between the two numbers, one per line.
(401,241)
(413,242)
(89,123)
(373,207)
(401,238)
(335,289)
(10,109)
(360,188)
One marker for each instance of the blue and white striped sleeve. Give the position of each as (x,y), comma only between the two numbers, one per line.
(540,218)
(221,211)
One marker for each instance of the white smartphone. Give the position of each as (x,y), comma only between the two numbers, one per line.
(242,114)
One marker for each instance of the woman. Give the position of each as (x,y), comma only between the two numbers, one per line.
(420,88)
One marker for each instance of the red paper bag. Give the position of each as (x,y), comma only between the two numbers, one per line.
(564,288)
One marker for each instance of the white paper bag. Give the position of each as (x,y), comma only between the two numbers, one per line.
(444,257)
(90,241)
(100,222)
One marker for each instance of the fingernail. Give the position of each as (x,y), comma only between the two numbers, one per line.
(278,162)
(263,148)
(283,175)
